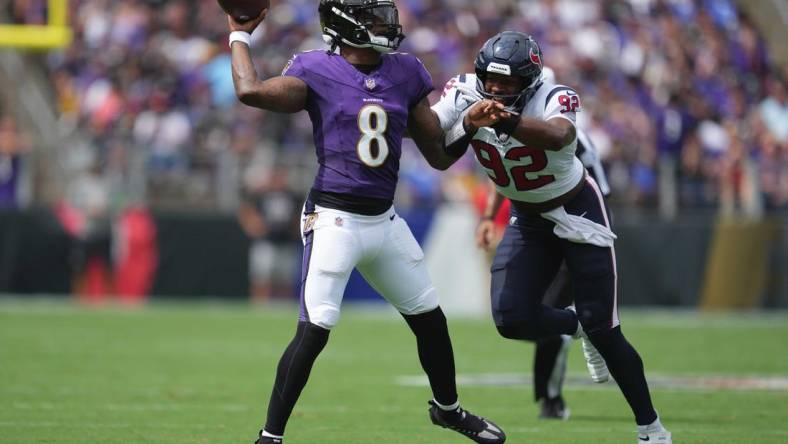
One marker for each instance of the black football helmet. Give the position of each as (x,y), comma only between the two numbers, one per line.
(510,53)
(361,24)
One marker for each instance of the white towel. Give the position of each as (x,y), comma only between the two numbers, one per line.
(579,229)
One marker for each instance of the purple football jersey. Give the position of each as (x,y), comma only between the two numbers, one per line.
(358,119)
(9,176)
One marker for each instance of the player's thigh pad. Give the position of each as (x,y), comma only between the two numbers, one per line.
(330,254)
(398,271)
(525,263)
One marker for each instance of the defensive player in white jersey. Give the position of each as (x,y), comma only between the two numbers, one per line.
(558,213)
(551,353)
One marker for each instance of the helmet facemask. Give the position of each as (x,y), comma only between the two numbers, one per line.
(513,103)
(371,24)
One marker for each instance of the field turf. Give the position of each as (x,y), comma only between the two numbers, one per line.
(202,373)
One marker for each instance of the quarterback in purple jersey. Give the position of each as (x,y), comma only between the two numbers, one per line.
(361,99)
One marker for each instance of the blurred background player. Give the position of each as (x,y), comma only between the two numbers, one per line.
(361,100)
(13,145)
(551,353)
(269,214)
(558,215)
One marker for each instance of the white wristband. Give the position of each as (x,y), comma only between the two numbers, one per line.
(240,36)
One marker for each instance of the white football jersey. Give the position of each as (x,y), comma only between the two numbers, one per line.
(519,172)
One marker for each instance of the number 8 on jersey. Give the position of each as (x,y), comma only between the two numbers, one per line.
(372,148)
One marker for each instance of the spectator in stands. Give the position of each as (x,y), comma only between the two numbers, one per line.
(13,144)
(269,215)
(88,199)
(774,108)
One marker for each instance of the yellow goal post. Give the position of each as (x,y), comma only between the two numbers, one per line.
(55,34)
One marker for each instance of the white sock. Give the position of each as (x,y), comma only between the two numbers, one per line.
(447,408)
(271,435)
(654,427)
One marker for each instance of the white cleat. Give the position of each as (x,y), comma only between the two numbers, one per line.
(597,367)
(662,437)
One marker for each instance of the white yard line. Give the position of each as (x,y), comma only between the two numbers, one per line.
(133,407)
(669,382)
(96,426)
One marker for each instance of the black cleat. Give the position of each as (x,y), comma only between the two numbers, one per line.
(267,439)
(553,409)
(462,421)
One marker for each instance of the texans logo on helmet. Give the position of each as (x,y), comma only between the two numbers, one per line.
(535,58)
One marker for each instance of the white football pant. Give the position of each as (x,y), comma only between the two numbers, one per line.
(381,247)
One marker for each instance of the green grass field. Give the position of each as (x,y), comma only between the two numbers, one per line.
(202,373)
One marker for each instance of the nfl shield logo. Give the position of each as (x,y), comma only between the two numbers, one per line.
(339,222)
(370,83)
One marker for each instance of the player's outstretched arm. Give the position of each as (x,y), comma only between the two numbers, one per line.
(282,94)
(426,131)
(442,150)
(549,135)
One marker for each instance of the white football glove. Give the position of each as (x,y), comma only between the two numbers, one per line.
(468,94)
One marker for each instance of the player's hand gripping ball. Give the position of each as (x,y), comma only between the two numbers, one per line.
(244,10)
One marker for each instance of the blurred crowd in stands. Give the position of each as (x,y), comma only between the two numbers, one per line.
(680,96)
(682,99)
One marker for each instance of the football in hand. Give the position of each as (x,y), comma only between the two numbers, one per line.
(244,10)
